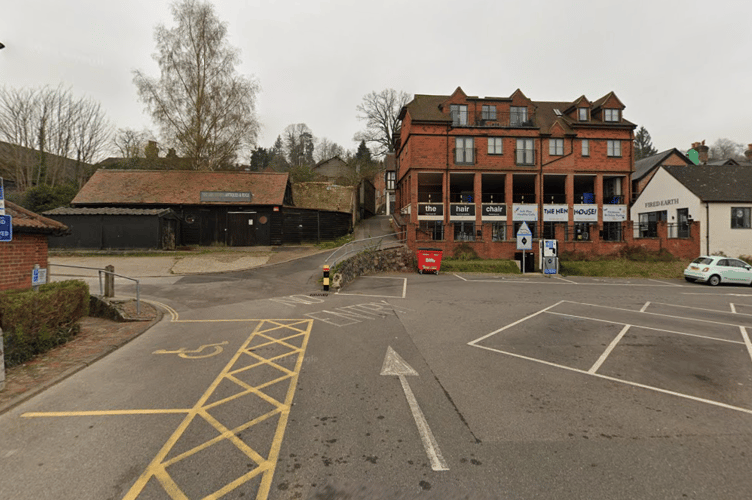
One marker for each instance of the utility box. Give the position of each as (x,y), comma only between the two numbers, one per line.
(550,265)
(547,249)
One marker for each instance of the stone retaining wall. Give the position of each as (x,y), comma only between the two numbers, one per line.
(391,260)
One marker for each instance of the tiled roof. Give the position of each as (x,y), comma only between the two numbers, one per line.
(719,183)
(108,211)
(179,187)
(647,165)
(427,108)
(26,221)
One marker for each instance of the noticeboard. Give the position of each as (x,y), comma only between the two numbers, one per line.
(6,228)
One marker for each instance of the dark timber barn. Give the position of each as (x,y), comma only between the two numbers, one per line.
(231,208)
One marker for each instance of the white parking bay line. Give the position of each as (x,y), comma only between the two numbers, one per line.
(746,340)
(474,342)
(608,350)
(645,307)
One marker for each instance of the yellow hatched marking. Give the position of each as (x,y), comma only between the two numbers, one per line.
(266,465)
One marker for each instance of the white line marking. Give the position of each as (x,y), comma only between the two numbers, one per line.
(460,277)
(645,307)
(404,288)
(665,283)
(395,365)
(733,307)
(647,327)
(472,342)
(657,314)
(626,382)
(568,281)
(746,340)
(608,350)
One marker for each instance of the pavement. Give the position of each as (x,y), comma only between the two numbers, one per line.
(99,336)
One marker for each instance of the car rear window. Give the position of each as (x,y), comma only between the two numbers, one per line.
(702,260)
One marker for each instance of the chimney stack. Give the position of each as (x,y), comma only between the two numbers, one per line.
(748,152)
(702,151)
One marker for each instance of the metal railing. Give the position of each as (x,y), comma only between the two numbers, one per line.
(103,272)
(364,245)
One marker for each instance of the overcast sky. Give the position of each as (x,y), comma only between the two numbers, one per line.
(683,68)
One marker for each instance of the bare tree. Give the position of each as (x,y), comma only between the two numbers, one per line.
(326,149)
(298,144)
(381,111)
(202,106)
(52,136)
(130,143)
(724,148)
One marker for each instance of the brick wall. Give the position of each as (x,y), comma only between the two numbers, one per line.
(17,259)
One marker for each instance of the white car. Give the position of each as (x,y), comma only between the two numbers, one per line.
(715,269)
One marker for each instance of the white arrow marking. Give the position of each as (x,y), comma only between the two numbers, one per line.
(395,365)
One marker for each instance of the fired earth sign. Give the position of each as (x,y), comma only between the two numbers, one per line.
(226,196)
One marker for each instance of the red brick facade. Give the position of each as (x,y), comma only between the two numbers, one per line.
(27,247)
(470,170)
(17,259)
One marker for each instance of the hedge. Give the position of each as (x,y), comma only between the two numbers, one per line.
(35,322)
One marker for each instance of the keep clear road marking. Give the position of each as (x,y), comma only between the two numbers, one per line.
(276,348)
(395,365)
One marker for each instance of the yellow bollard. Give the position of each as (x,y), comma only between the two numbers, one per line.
(326,278)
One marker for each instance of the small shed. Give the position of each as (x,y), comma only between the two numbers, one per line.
(122,228)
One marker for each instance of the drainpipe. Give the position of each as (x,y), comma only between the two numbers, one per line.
(707,228)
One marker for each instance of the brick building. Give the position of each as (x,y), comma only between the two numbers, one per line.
(472,170)
(27,247)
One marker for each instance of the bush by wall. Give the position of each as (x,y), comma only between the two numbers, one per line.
(35,322)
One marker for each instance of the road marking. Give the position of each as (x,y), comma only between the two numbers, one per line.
(608,350)
(644,307)
(395,365)
(474,342)
(194,354)
(746,340)
(286,342)
(665,283)
(614,379)
(568,281)
(404,288)
(647,327)
(354,314)
(293,300)
(733,307)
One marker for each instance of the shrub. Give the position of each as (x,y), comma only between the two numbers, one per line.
(35,322)
(465,252)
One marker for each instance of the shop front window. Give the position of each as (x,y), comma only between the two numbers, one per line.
(498,231)
(464,231)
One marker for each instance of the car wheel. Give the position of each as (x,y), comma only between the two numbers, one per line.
(714,280)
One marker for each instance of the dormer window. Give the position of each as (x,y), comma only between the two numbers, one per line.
(517,116)
(459,114)
(488,112)
(582,114)
(611,115)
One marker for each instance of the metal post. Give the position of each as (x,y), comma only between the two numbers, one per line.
(109,281)
(35,273)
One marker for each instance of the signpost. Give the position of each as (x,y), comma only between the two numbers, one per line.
(6,221)
(524,241)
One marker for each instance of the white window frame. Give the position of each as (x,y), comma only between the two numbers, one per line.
(555,147)
(582,114)
(488,112)
(495,145)
(586,147)
(517,115)
(463,150)
(610,115)
(527,153)
(613,148)
(459,114)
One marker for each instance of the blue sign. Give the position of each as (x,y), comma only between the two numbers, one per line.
(6,228)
